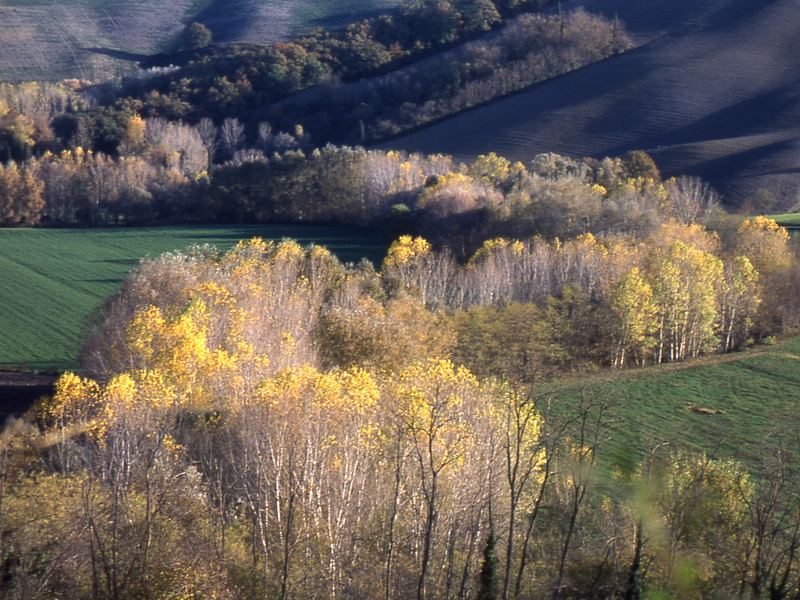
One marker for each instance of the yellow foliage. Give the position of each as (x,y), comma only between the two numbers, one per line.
(765,243)
(75,398)
(405,249)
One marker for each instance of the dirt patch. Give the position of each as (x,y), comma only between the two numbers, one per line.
(703,410)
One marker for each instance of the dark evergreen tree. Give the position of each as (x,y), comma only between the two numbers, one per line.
(488,582)
(634,588)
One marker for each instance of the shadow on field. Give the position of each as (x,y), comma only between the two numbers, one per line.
(126,262)
(118,54)
(114,280)
(19,391)
(342,19)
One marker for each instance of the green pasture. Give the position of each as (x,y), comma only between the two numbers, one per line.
(755,395)
(789,220)
(51,280)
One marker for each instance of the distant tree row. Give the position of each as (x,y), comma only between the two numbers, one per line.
(526,50)
(225,82)
(167,172)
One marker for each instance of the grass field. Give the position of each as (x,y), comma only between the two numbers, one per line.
(789,220)
(52,279)
(757,392)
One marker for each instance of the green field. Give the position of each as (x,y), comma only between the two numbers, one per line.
(757,392)
(789,220)
(52,279)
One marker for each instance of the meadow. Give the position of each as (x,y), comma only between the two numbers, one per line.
(51,280)
(727,405)
(789,220)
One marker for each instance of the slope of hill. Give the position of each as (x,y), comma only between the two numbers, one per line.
(52,279)
(729,405)
(266,21)
(93,39)
(713,90)
(53,39)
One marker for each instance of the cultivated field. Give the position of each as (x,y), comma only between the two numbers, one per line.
(52,280)
(93,39)
(741,402)
(713,90)
(266,21)
(87,39)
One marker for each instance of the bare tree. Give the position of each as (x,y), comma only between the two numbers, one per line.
(210,135)
(691,200)
(231,136)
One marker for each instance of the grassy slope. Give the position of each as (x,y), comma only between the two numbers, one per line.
(758,392)
(52,280)
(56,39)
(789,220)
(712,91)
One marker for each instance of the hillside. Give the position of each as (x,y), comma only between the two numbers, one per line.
(712,90)
(88,39)
(266,21)
(728,405)
(51,280)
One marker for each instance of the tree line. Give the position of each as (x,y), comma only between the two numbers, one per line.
(250,83)
(221,82)
(528,49)
(525,308)
(166,171)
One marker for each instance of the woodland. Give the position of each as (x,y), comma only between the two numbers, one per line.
(273,422)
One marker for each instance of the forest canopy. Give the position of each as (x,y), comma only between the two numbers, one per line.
(271,422)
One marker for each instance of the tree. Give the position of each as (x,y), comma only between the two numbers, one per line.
(435,400)
(16,137)
(488,583)
(685,283)
(479,15)
(432,22)
(740,301)
(691,200)
(231,136)
(135,135)
(765,243)
(21,195)
(636,312)
(639,164)
(210,135)
(196,35)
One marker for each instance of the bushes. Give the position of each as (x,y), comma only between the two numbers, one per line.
(526,50)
